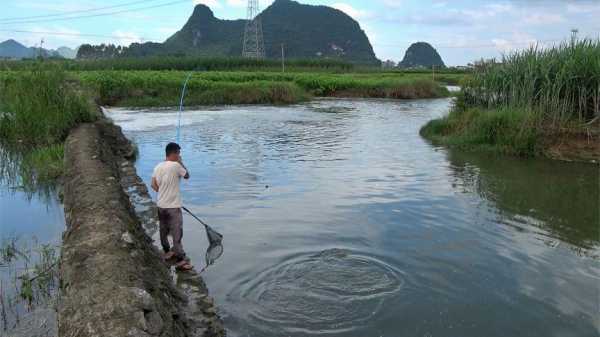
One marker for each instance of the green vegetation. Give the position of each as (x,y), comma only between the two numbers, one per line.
(187,63)
(39,107)
(43,165)
(507,130)
(162,88)
(37,110)
(528,102)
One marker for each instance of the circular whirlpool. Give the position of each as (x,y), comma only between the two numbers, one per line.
(328,292)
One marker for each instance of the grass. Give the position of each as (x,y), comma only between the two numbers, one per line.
(519,105)
(162,88)
(506,131)
(43,165)
(38,108)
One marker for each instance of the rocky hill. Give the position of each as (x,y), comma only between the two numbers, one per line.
(421,55)
(14,50)
(306,31)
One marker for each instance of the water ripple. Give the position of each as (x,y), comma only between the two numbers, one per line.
(328,292)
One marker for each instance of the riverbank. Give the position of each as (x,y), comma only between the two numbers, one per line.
(516,133)
(113,281)
(163,88)
(536,102)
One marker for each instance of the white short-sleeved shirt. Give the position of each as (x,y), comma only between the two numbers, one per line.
(167,175)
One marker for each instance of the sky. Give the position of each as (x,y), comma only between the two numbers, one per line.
(461,30)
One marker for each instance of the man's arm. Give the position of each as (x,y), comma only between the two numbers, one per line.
(154,185)
(187,173)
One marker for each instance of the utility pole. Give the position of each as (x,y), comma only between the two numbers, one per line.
(254,44)
(574,32)
(41,56)
(282,58)
(433,72)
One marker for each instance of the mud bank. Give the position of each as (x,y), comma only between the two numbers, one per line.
(113,282)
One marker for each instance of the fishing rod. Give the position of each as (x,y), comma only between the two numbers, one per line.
(185,83)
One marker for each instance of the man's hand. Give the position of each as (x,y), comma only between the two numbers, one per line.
(187,173)
(154,185)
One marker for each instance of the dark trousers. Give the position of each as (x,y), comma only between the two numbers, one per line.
(171,223)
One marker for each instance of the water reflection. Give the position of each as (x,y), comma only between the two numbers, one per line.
(31,222)
(562,199)
(17,177)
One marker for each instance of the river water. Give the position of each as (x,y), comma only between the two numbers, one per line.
(340,220)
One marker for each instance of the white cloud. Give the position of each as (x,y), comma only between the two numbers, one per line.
(543,19)
(519,40)
(393,3)
(126,38)
(237,3)
(498,8)
(353,12)
(583,8)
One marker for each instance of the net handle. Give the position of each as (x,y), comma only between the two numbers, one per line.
(195,217)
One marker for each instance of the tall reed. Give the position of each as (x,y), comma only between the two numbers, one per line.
(561,82)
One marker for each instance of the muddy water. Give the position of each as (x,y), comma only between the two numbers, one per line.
(340,220)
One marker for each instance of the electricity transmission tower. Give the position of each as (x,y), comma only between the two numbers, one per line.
(254,44)
(574,32)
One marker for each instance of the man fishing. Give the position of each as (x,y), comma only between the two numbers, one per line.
(165,181)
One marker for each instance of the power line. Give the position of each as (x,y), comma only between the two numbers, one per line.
(96,15)
(76,12)
(77,34)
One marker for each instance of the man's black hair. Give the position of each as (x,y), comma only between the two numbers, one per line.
(172,148)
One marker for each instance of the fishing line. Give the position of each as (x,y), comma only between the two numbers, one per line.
(181,105)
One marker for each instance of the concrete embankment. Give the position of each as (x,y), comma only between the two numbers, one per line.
(113,281)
